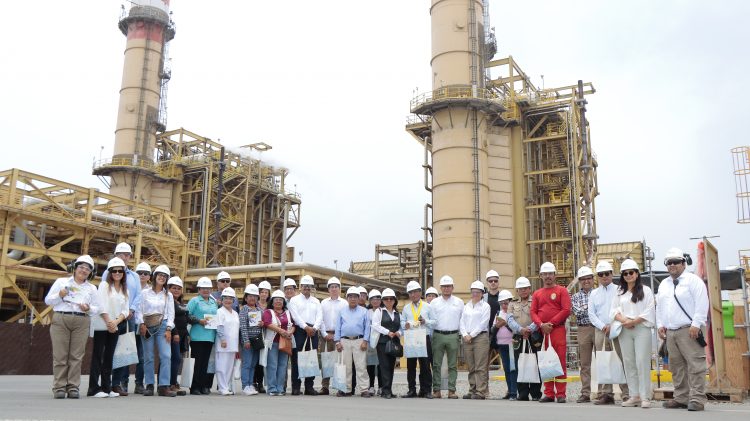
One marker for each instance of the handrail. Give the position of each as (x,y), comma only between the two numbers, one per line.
(454,92)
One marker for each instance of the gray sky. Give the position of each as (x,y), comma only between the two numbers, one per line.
(328,85)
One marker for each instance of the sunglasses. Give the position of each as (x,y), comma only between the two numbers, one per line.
(493,281)
(603,274)
(223,281)
(674,262)
(389,299)
(628,272)
(116,271)
(143,273)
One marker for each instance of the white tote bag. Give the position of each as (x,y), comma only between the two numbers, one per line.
(188,367)
(339,374)
(528,369)
(549,361)
(415,343)
(126,352)
(307,361)
(609,368)
(328,363)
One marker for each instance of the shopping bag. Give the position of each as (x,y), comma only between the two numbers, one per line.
(549,361)
(328,363)
(237,369)
(339,374)
(126,352)
(285,345)
(372,356)
(212,361)
(307,361)
(528,369)
(188,366)
(415,343)
(609,368)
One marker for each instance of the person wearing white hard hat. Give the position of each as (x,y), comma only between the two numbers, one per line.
(74,301)
(331,307)
(362,296)
(474,328)
(308,317)
(386,325)
(179,333)
(278,322)
(227,340)
(351,337)
(264,291)
(373,372)
(113,299)
(120,375)
(223,281)
(417,314)
(504,339)
(550,308)
(446,310)
(524,329)
(290,289)
(430,294)
(201,309)
(155,318)
(586,330)
(490,297)
(251,338)
(681,314)
(634,309)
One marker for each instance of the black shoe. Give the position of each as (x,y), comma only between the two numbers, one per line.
(296,392)
(91,392)
(513,398)
(139,389)
(59,394)
(410,394)
(428,395)
(260,388)
(195,392)
(467,396)
(341,394)
(545,399)
(523,398)
(73,394)
(561,400)
(149,390)
(506,397)
(311,392)
(205,391)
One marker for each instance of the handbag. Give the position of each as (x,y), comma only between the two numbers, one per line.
(609,368)
(126,352)
(328,363)
(549,362)
(528,368)
(307,361)
(285,345)
(415,343)
(339,375)
(257,343)
(394,349)
(188,367)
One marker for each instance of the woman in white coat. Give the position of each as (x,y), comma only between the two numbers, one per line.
(227,340)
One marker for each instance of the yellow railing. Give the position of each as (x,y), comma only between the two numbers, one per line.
(453,92)
(125,162)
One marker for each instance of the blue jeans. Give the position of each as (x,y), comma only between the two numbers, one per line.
(165,356)
(276,369)
(510,376)
(249,361)
(120,376)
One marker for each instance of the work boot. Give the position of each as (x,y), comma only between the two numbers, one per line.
(323,391)
(139,390)
(410,394)
(546,399)
(176,389)
(605,400)
(467,396)
(695,406)
(452,394)
(166,391)
(73,394)
(120,390)
(149,391)
(673,404)
(583,399)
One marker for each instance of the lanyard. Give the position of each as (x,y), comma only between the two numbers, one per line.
(418,312)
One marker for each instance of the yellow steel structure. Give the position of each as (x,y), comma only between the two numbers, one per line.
(406,262)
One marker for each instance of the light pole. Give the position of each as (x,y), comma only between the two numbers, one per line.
(336,263)
(301,256)
(283,237)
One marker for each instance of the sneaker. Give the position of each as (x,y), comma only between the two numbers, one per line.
(59,394)
(673,404)
(583,399)
(695,406)
(225,393)
(452,394)
(246,390)
(114,395)
(253,391)
(645,404)
(632,402)
(371,390)
(73,394)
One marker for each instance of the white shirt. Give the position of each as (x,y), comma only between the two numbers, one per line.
(600,305)
(622,304)
(84,293)
(154,303)
(306,310)
(229,323)
(691,291)
(331,309)
(377,319)
(475,318)
(113,303)
(447,313)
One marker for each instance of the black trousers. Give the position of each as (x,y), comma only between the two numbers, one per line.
(299,337)
(425,371)
(258,379)
(373,372)
(101,361)
(386,366)
(526,389)
(201,351)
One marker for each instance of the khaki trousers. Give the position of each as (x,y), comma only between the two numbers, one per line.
(606,389)
(69,334)
(353,352)
(586,336)
(477,358)
(325,346)
(687,361)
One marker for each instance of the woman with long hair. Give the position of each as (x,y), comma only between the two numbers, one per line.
(264,296)
(373,370)
(251,337)
(386,320)
(179,333)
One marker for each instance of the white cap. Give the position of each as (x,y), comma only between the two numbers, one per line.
(333,281)
(674,253)
(277,294)
(362,290)
(523,282)
(388,293)
(204,282)
(477,285)
(175,280)
(446,280)
(85,259)
(123,248)
(289,282)
(584,271)
(229,292)
(115,262)
(352,291)
(307,280)
(252,290)
(547,267)
(143,267)
(492,274)
(431,290)
(604,266)
(264,285)
(162,269)
(504,295)
(374,293)
(413,285)
(629,264)
(223,275)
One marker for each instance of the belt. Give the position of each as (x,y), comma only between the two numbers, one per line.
(585,325)
(678,328)
(352,337)
(330,331)
(73,313)
(446,332)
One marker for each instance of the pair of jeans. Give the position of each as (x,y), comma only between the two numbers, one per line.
(249,361)
(176,360)
(101,361)
(510,376)
(120,376)
(276,369)
(165,356)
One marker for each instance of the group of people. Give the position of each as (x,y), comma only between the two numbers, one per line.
(269,329)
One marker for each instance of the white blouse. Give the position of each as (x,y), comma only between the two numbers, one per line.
(112,302)
(156,303)
(621,304)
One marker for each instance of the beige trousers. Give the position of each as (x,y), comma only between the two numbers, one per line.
(585,346)
(353,352)
(477,358)
(69,334)
(687,361)
(607,388)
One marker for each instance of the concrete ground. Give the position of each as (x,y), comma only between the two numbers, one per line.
(30,397)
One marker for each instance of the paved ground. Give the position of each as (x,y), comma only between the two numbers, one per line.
(29,397)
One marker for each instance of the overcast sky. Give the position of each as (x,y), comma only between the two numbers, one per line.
(328,85)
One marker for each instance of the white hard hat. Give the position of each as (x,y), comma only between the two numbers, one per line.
(431,290)
(223,275)
(352,291)
(584,271)
(277,294)
(603,266)
(229,292)
(674,253)
(492,274)
(547,267)
(115,262)
(307,280)
(477,285)
(85,259)
(264,285)
(289,282)
(143,267)
(504,295)
(413,285)
(162,269)
(629,264)
(252,290)
(388,293)
(523,282)
(333,281)
(362,290)
(374,293)
(175,280)
(123,248)
(446,280)
(204,282)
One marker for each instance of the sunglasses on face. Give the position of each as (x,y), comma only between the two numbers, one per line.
(629,273)
(493,281)
(142,273)
(674,262)
(388,299)
(603,274)
(223,281)
(116,271)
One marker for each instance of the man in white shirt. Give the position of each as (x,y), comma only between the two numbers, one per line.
(416,315)
(474,326)
(681,313)
(331,307)
(308,316)
(446,310)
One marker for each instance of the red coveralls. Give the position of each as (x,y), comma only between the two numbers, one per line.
(552,305)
